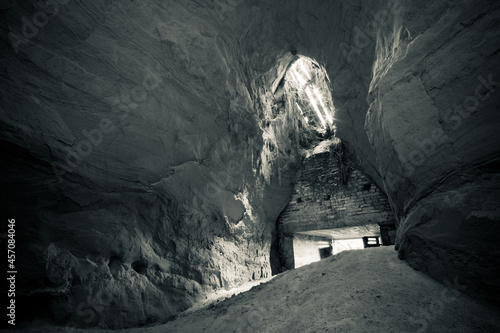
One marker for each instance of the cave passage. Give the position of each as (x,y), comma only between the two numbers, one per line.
(157,153)
(335,205)
(313,245)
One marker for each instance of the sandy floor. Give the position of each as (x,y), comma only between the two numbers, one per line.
(357,291)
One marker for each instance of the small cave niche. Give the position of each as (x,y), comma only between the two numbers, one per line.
(140,266)
(325,252)
(115,264)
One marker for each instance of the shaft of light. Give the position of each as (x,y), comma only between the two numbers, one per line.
(302,68)
(298,106)
(298,80)
(302,113)
(315,107)
(325,110)
(301,79)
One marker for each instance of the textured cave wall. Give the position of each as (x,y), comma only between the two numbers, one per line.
(433,122)
(173,98)
(131,150)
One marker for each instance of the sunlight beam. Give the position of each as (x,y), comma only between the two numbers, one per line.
(315,107)
(302,68)
(297,74)
(302,113)
(325,110)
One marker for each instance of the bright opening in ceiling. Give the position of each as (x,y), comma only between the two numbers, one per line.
(307,84)
(300,116)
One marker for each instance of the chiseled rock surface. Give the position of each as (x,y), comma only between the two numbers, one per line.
(132,139)
(131,146)
(433,122)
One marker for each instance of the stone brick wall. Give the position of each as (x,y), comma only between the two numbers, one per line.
(331,193)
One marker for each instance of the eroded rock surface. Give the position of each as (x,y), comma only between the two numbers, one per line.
(433,122)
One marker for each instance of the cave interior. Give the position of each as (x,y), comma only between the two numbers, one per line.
(155,153)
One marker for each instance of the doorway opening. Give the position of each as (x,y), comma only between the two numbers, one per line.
(314,245)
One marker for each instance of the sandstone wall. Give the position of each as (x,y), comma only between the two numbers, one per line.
(433,121)
(130,147)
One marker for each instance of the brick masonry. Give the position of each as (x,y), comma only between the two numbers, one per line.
(331,193)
